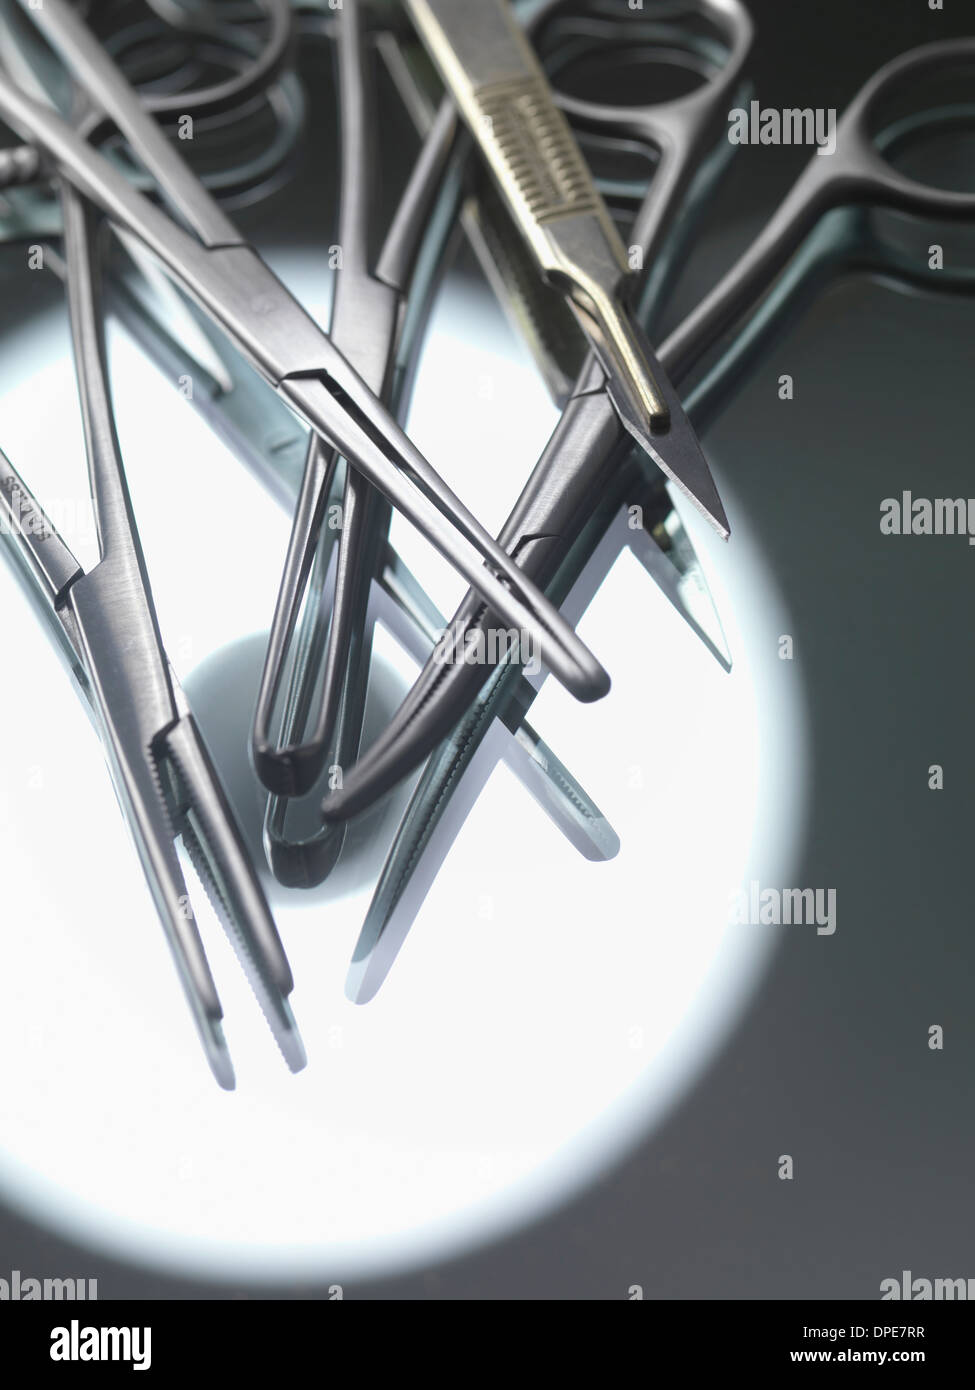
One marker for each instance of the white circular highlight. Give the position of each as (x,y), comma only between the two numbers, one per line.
(545,1011)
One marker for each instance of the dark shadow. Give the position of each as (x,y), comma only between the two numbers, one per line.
(223,694)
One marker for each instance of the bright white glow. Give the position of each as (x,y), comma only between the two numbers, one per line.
(545,1010)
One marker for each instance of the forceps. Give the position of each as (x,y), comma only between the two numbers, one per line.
(260,429)
(756,297)
(585,458)
(105,625)
(367,325)
(230,281)
(502,92)
(377,319)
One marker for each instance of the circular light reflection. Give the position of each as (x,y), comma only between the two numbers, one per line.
(544,1012)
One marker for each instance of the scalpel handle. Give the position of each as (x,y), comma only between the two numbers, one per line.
(499,86)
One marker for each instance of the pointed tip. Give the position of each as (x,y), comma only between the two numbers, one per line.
(601,843)
(281,1020)
(381,939)
(677,451)
(293,1050)
(361,982)
(354,987)
(701,612)
(221,1066)
(668,556)
(611,844)
(680,456)
(719,520)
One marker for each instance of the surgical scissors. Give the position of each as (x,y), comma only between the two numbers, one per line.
(755,297)
(232,283)
(105,624)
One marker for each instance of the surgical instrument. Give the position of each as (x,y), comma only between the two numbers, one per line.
(576,467)
(106,624)
(231,282)
(420,842)
(502,92)
(381,329)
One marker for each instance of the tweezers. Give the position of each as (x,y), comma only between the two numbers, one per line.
(105,626)
(230,281)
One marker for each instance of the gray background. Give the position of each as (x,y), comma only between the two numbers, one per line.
(831,1064)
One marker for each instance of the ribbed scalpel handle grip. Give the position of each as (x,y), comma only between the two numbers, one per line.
(494,76)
